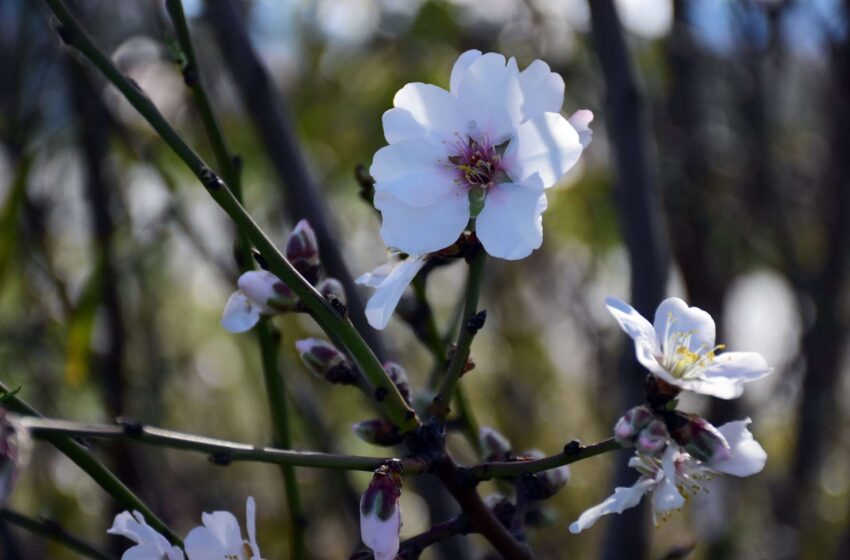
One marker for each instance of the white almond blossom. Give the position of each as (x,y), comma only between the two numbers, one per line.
(495,137)
(150,545)
(258,291)
(680,349)
(389,281)
(676,476)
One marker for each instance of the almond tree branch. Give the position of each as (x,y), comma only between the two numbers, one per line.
(572,453)
(328,318)
(220,451)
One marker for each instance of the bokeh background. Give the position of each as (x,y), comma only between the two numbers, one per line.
(727,185)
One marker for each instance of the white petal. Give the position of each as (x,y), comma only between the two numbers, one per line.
(432,114)
(464,61)
(240,313)
(374,277)
(251,523)
(581,120)
(511,224)
(747,456)
(640,330)
(381,536)
(150,545)
(542,89)
(414,171)
(422,229)
(545,147)
(674,315)
(622,499)
(724,378)
(666,496)
(219,536)
(490,98)
(258,286)
(383,302)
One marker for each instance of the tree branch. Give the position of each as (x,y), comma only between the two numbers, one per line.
(572,453)
(52,531)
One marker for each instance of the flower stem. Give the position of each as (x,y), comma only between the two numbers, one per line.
(87,462)
(324,314)
(53,531)
(221,451)
(274,381)
(441,406)
(572,453)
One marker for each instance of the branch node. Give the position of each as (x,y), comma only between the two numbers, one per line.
(572,447)
(209,179)
(131,427)
(476,322)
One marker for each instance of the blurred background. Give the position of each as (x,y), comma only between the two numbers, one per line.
(115,265)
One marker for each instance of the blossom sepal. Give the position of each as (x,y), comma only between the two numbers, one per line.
(699,438)
(630,424)
(326,362)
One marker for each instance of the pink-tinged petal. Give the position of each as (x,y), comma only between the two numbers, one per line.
(748,457)
(640,330)
(674,316)
(490,98)
(461,66)
(542,89)
(259,287)
(511,224)
(414,171)
(581,120)
(622,499)
(544,149)
(424,229)
(434,115)
(388,292)
(240,313)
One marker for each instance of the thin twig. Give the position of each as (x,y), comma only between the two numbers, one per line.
(53,531)
(572,453)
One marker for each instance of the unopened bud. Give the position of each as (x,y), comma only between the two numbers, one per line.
(399,378)
(380,517)
(331,288)
(631,423)
(377,432)
(325,361)
(302,250)
(652,439)
(494,446)
(543,485)
(702,440)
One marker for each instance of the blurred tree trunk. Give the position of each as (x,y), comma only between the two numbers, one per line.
(643,230)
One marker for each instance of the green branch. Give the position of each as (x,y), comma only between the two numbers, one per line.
(572,453)
(220,451)
(53,531)
(324,314)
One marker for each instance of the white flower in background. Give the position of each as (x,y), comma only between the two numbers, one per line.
(150,545)
(496,139)
(676,475)
(680,349)
(389,281)
(380,516)
(260,293)
(221,539)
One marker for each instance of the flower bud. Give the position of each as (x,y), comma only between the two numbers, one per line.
(267,291)
(631,423)
(331,288)
(652,439)
(302,250)
(325,361)
(399,378)
(377,432)
(380,516)
(702,440)
(543,485)
(494,446)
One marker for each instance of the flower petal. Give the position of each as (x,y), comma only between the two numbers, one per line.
(424,229)
(461,65)
(666,496)
(640,330)
(673,315)
(381,536)
(251,525)
(511,224)
(240,313)
(383,302)
(432,114)
(149,544)
(490,98)
(624,497)
(414,171)
(219,536)
(581,120)
(542,89)
(748,457)
(259,287)
(725,376)
(545,147)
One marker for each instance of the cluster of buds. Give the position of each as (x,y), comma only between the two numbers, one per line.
(326,362)
(380,515)
(262,293)
(542,485)
(640,428)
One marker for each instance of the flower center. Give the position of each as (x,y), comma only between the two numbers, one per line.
(478,162)
(679,359)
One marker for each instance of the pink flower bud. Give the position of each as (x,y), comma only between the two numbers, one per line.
(702,440)
(399,378)
(266,291)
(380,516)
(331,287)
(302,250)
(494,446)
(377,432)
(631,423)
(653,438)
(325,361)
